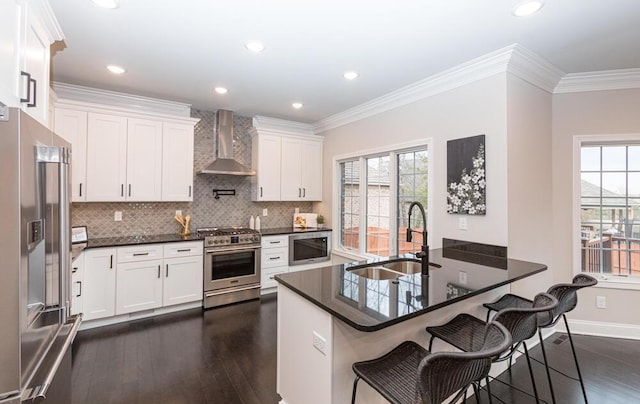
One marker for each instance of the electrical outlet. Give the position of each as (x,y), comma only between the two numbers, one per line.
(117,216)
(265,212)
(178,212)
(462,277)
(319,343)
(601,302)
(462,223)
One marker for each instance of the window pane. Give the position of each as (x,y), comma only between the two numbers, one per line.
(412,186)
(614,184)
(614,158)
(378,201)
(634,184)
(350,200)
(590,184)
(634,158)
(590,159)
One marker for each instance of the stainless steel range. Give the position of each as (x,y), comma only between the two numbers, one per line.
(231,265)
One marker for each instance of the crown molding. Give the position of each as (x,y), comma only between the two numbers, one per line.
(281,126)
(622,79)
(514,59)
(45,14)
(121,100)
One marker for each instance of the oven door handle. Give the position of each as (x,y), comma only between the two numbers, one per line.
(225,291)
(229,250)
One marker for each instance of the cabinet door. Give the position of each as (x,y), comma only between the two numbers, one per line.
(138,286)
(99,283)
(35,61)
(10,15)
(291,183)
(177,162)
(77,280)
(106,157)
(311,171)
(144,160)
(72,126)
(182,280)
(266,158)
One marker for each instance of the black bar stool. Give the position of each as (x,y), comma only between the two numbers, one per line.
(464,330)
(567,301)
(410,374)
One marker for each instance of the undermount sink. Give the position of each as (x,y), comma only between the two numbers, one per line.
(404,267)
(374,272)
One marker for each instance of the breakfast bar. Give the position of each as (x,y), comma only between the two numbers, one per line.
(329,318)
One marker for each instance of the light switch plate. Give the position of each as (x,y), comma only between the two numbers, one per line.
(462,223)
(265,212)
(117,216)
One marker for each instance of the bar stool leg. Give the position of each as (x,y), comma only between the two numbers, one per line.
(546,366)
(575,358)
(533,380)
(355,386)
(489,391)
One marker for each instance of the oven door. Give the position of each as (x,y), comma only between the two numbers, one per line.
(231,267)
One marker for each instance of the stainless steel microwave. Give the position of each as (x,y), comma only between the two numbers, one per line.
(309,247)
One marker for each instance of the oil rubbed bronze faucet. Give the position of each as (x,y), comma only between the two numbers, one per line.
(424,253)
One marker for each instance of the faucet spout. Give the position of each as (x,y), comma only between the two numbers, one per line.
(424,250)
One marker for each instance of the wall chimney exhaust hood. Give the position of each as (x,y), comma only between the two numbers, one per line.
(224,163)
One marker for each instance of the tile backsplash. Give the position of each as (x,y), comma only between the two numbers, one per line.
(157,217)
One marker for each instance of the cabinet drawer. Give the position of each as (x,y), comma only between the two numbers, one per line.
(275,241)
(182,249)
(275,257)
(266,277)
(140,253)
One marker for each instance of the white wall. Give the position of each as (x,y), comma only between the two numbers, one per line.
(588,113)
(530,222)
(473,109)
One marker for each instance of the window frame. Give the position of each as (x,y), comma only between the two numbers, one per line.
(391,150)
(604,280)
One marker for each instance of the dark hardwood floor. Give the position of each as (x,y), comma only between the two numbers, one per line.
(228,355)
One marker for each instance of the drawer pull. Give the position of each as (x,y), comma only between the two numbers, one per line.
(140,254)
(272,277)
(79,289)
(275,242)
(184,250)
(274,258)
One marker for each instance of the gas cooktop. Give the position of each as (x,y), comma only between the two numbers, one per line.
(228,236)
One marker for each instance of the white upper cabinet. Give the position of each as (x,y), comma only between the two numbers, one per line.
(144,160)
(72,126)
(287,157)
(106,157)
(177,162)
(27,30)
(266,156)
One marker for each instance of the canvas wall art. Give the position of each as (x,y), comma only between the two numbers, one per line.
(466,181)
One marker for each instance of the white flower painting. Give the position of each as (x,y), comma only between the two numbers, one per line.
(466,181)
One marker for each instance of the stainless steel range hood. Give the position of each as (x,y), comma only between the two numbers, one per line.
(224,163)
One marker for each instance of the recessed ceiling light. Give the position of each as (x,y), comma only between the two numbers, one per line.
(254,46)
(107,3)
(350,75)
(528,7)
(115,69)
(221,90)
(297,105)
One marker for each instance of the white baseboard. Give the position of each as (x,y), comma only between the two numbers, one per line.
(611,330)
(101,322)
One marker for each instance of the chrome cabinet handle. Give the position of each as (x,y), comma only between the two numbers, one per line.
(74,270)
(274,242)
(80,289)
(185,250)
(260,192)
(189,191)
(30,81)
(111,263)
(158,271)
(304,192)
(139,254)
(167,272)
(122,190)
(299,192)
(129,189)
(80,189)
(274,258)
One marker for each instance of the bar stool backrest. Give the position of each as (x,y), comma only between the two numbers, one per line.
(522,323)
(567,298)
(442,374)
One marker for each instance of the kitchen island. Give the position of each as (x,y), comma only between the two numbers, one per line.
(330,317)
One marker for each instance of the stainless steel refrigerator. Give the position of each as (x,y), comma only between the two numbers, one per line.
(36,331)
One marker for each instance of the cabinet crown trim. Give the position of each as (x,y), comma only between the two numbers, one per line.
(282,127)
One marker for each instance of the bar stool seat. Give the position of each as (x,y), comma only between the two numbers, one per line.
(411,374)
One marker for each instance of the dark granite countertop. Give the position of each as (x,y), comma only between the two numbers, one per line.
(290,230)
(388,302)
(142,239)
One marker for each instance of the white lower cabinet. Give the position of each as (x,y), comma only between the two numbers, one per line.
(138,286)
(77,280)
(99,285)
(275,259)
(143,277)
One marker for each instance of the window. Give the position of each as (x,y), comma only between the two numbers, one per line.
(390,182)
(610,208)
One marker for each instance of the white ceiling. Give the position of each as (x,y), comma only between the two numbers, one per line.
(181,50)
